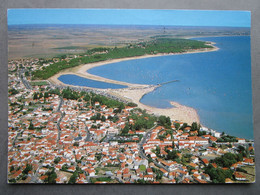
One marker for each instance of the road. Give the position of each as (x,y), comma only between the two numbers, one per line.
(25,82)
(141,150)
(58,122)
(88,138)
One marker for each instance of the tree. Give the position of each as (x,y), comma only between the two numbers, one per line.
(46,95)
(131,104)
(184,126)
(115,119)
(214,145)
(226,160)
(40,95)
(125,129)
(218,175)
(103,118)
(98,156)
(31,126)
(57,160)
(27,169)
(73,178)
(98,116)
(11,168)
(177,126)
(51,176)
(195,126)
(241,148)
(64,167)
(172,155)
(200,133)
(159,174)
(165,121)
(35,96)
(150,159)
(157,150)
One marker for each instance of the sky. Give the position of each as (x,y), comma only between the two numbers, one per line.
(130,17)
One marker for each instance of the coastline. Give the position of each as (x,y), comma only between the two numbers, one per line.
(81,70)
(135,92)
(177,112)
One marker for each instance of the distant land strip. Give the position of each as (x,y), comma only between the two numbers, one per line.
(157,46)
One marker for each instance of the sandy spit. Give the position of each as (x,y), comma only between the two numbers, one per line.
(135,92)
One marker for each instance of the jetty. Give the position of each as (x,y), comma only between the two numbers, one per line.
(164,83)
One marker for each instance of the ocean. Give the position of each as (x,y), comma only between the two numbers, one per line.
(217,84)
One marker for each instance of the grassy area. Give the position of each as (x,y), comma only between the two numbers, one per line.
(160,45)
(142,168)
(102,179)
(250,175)
(39,83)
(102,171)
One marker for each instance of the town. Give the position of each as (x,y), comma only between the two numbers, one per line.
(78,135)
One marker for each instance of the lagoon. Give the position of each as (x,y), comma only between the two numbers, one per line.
(72,79)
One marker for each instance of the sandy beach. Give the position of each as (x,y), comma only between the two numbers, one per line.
(178,112)
(135,92)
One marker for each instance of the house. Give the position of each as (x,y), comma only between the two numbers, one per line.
(239,176)
(216,134)
(194,159)
(148,178)
(91,172)
(241,141)
(228,180)
(248,161)
(205,161)
(149,171)
(165,173)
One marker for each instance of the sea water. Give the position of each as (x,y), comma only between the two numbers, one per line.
(217,84)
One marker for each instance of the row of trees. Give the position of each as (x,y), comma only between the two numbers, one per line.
(110,103)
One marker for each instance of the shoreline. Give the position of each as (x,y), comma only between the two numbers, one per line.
(81,70)
(178,112)
(135,92)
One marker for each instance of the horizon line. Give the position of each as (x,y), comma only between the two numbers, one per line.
(128,25)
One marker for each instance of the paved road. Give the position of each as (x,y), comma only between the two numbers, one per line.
(13,144)
(141,150)
(25,82)
(88,138)
(62,115)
